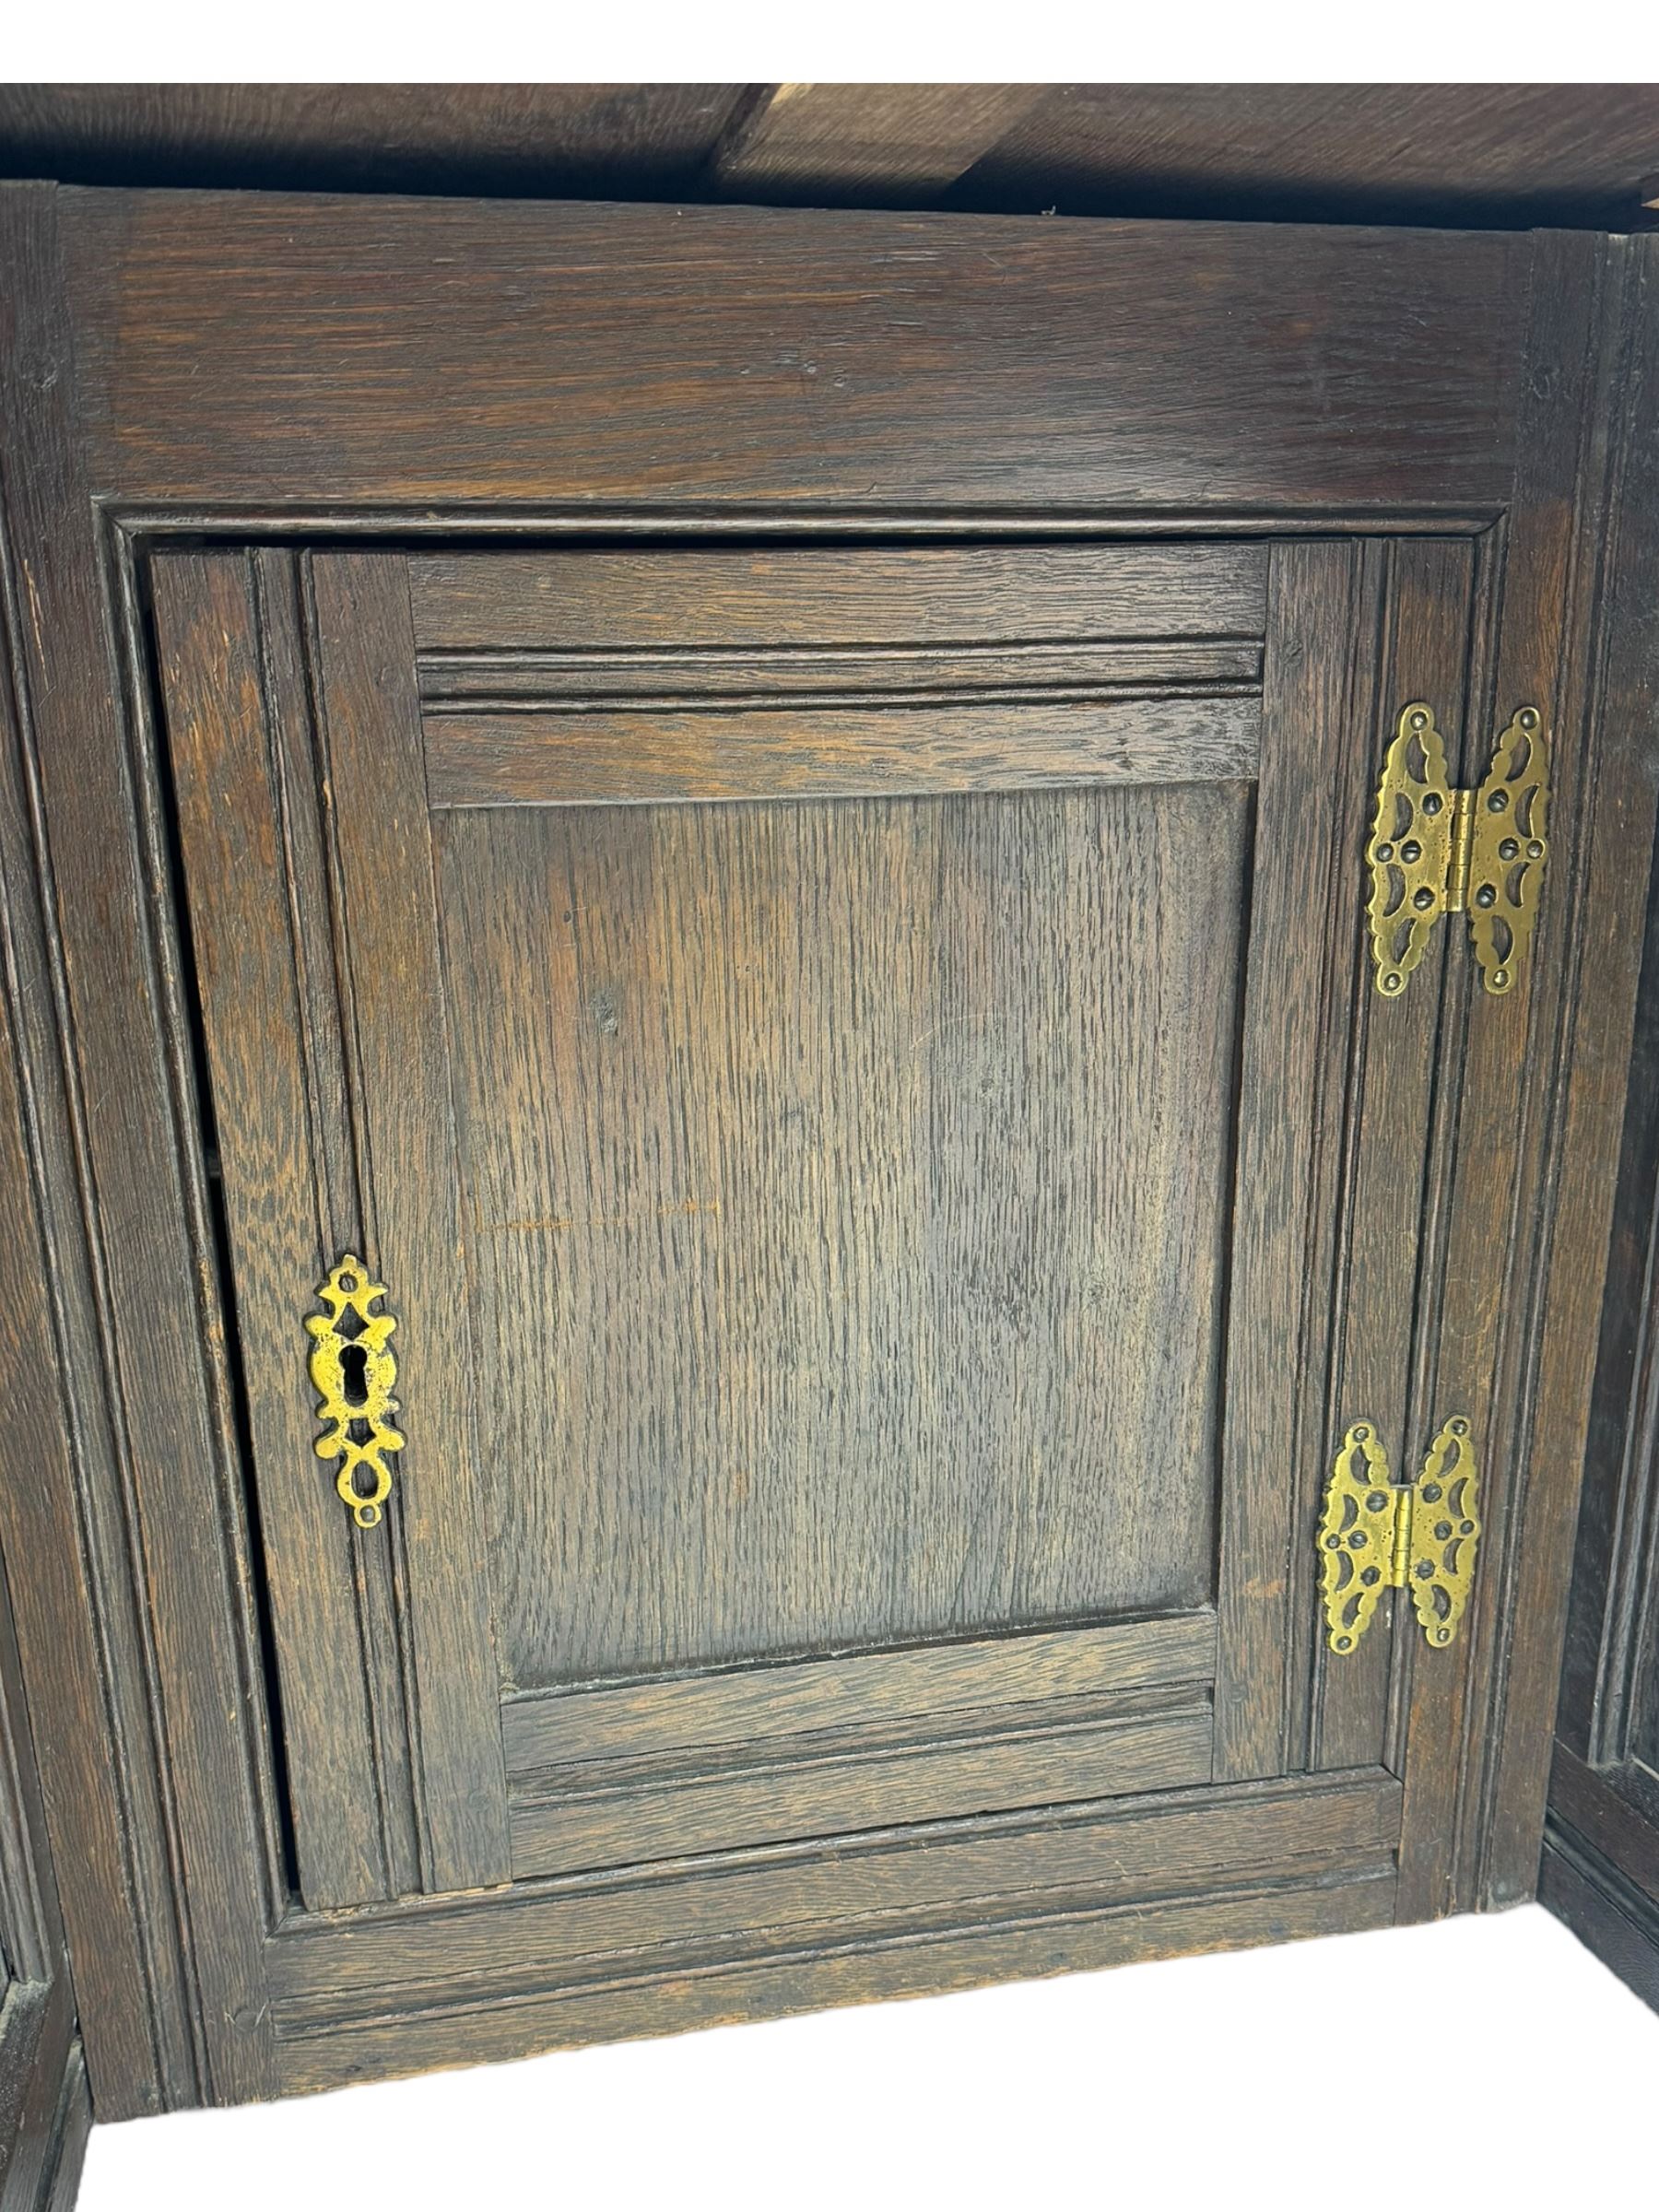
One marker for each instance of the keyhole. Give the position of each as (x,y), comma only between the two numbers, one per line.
(354,1373)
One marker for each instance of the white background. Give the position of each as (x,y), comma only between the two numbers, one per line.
(1479,2063)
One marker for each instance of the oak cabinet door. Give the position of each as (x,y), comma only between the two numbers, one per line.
(831,1056)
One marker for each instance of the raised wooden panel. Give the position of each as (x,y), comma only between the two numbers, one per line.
(561,678)
(837,1169)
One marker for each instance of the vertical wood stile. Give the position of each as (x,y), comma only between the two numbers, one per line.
(1295,1010)
(382,836)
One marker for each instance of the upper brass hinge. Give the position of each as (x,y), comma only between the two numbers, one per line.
(1434,851)
(1378,1534)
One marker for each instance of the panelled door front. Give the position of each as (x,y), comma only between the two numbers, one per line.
(848,1068)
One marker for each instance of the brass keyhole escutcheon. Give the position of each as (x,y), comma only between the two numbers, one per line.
(352,1370)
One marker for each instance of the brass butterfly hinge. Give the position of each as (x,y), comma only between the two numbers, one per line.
(1378,1534)
(1434,851)
(353,1371)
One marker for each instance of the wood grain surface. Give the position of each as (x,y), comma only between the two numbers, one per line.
(847,1187)
(695,675)
(634,759)
(590,1956)
(1522,154)
(366,683)
(325,1969)
(1296,1011)
(904,1141)
(630,1812)
(1424,619)
(233,825)
(554,1729)
(788,595)
(271,351)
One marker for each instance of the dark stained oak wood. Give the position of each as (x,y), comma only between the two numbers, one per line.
(1422,651)
(1183,1843)
(236,835)
(1611,1916)
(827,1164)
(149,1867)
(1601,1863)
(1516,153)
(1609,1702)
(1026,1945)
(799,607)
(540,760)
(371,719)
(620,1813)
(1538,1114)
(554,1728)
(1314,636)
(643,139)
(884,363)
(1614,1809)
(1008,1137)
(1253,1860)
(844,595)
(43,2108)
(602,1776)
(696,676)
(45,2115)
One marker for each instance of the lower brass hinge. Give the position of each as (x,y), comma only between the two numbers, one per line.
(1434,851)
(1378,1534)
